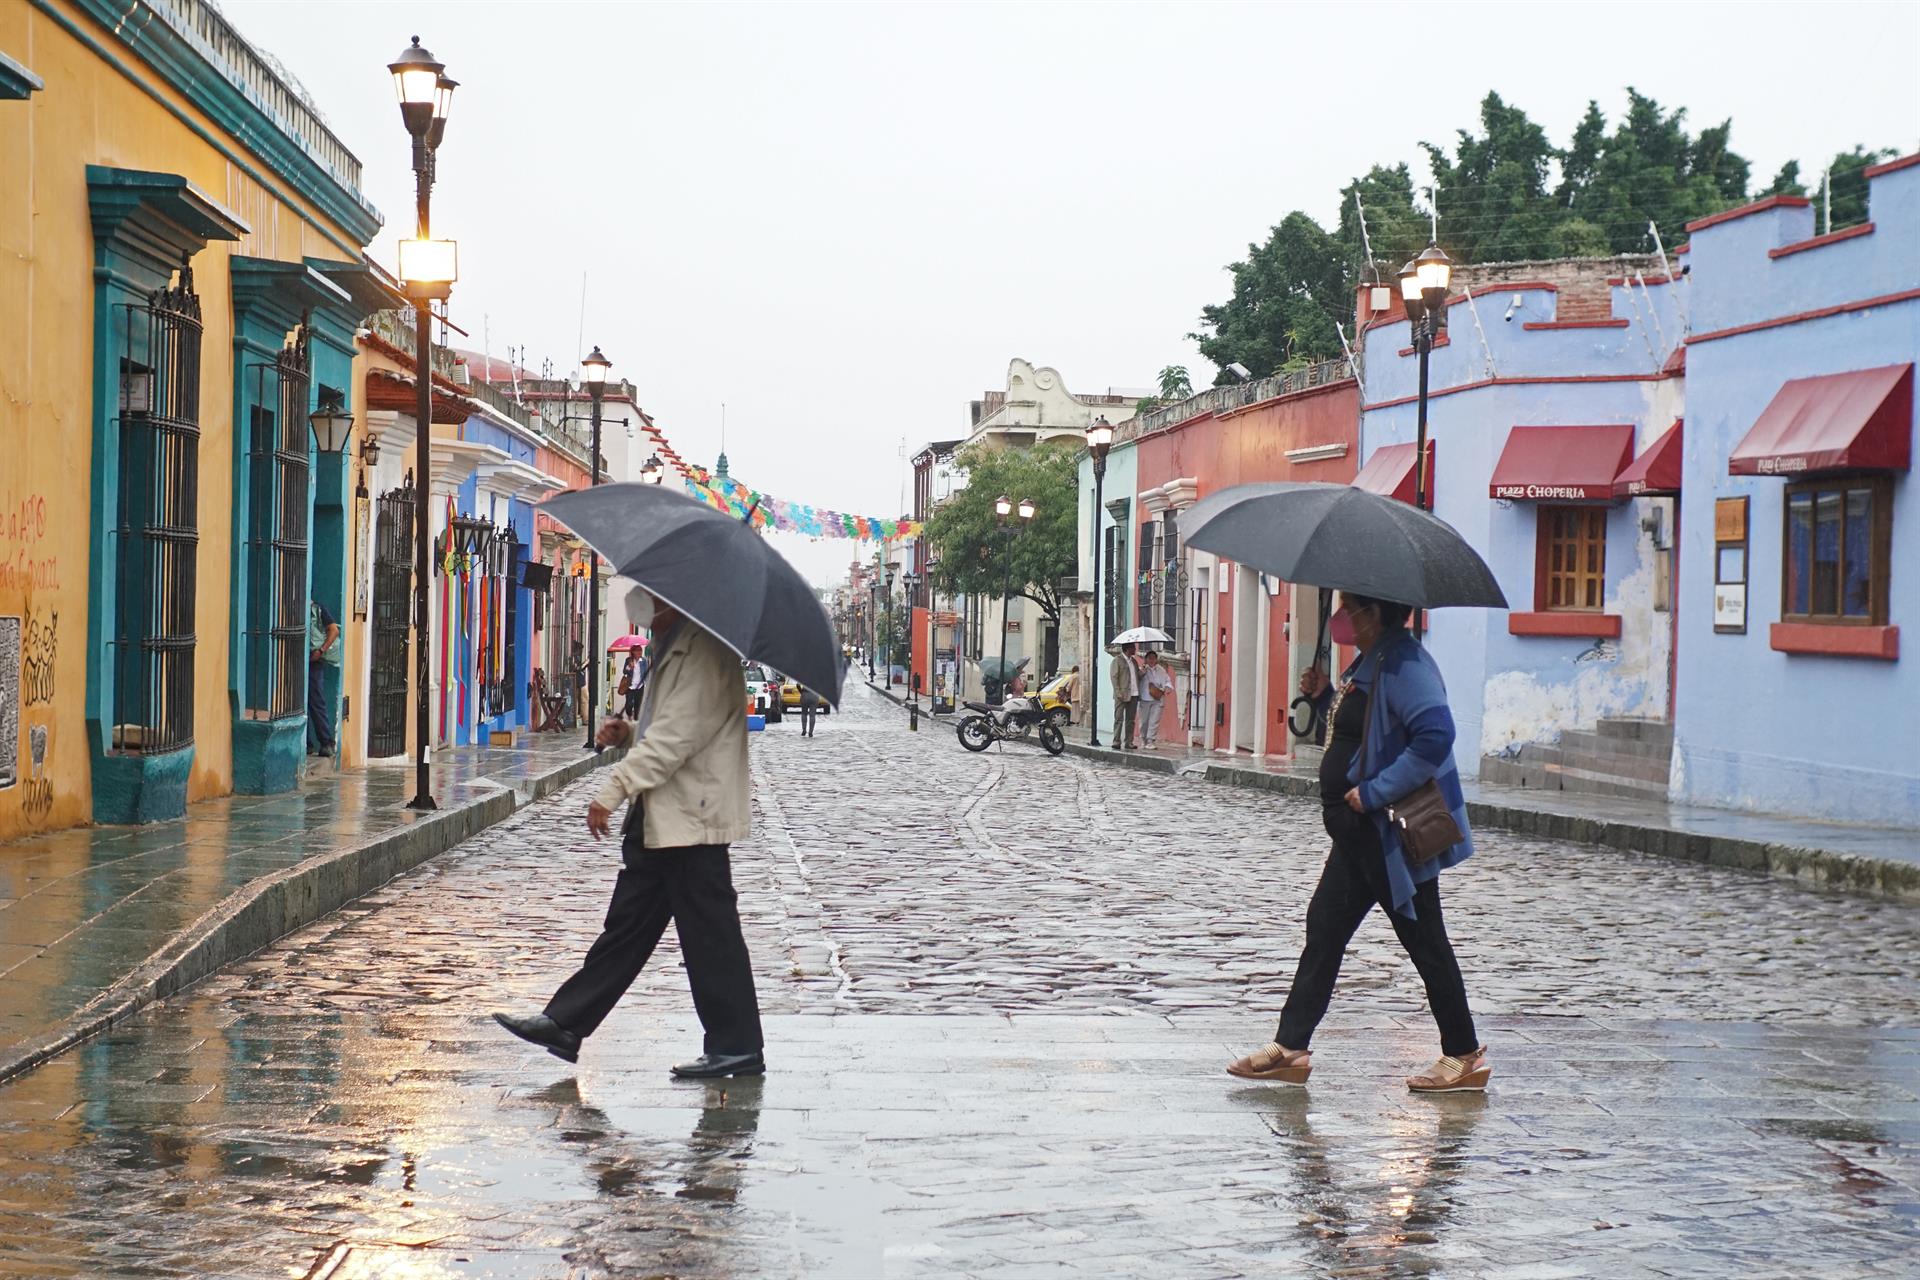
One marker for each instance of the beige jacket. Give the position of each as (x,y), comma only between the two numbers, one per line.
(690,770)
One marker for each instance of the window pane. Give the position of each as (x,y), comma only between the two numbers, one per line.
(1733,564)
(1799,553)
(1826,552)
(1857,598)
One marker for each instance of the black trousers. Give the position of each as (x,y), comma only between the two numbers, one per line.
(807,712)
(1352,883)
(693,887)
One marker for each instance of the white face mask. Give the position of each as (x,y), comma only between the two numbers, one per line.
(641,607)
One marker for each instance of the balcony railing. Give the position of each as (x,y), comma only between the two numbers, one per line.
(1235,396)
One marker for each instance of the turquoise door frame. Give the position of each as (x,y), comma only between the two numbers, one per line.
(145,227)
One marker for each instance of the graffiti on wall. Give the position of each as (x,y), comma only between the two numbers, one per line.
(27,563)
(9,701)
(38,649)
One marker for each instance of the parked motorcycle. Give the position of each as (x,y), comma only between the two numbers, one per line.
(1017,720)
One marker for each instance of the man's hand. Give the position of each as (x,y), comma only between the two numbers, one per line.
(1312,681)
(599,820)
(1354,802)
(615,732)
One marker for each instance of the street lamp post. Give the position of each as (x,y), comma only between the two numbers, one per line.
(428,268)
(593,372)
(910,581)
(1099,440)
(1423,290)
(1001,507)
(886,659)
(873,620)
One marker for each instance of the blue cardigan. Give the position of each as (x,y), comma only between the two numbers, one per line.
(1409,740)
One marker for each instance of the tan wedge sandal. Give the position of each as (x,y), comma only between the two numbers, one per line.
(1274,1065)
(1455,1075)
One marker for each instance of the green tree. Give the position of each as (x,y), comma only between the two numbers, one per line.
(1492,192)
(1787,181)
(1396,229)
(1175,384)
(1848,179)
(977,556)
(1287,296)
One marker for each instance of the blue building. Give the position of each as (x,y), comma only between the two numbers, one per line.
(1553,378)
(1800,555)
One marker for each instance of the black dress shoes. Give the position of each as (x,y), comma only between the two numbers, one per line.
(538,1028)
(710,1066)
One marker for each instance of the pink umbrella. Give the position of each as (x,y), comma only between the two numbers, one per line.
(632,640)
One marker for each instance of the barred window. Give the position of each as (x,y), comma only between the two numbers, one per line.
(156,532)
(276,631)
(1172,581)
(1114,583)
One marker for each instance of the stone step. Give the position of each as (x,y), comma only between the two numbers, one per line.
(1637,728)
(1542,777)
(1589,742)
(1627,768)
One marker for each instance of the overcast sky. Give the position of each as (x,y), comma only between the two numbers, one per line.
(843,220)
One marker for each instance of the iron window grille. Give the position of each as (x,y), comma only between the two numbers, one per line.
(1172,580)
(1147,597)
(510,558)
(276,636)
(156,531)
(1115,580)
(392,622)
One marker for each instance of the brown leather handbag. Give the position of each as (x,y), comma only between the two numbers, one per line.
(1425,822)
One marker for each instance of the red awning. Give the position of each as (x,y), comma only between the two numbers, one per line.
(1561,463)
(1389,472)
(1655,472)
(1860,419)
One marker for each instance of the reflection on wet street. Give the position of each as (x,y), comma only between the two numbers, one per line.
(995,1049)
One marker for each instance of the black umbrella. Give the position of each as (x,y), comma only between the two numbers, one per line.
(1334,535)
(714,569)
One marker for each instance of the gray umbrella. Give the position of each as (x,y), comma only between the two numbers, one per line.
(715,570)
(1334,535)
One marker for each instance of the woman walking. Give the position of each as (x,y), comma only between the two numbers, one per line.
(1389,732)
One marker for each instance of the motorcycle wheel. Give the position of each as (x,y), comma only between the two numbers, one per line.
(974,734)
(1052,739)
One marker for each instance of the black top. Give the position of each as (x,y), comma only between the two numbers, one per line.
(1343,741)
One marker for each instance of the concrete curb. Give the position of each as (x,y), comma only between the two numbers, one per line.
(267,909)
(1827,868)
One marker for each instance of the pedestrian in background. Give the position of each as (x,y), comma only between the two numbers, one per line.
(685,783)
(1070,694)
(323,651)
(1390,732)
(1156,687)
(809,708)
(1125,679)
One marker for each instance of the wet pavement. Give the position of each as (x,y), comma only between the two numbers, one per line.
(1000,990)
(81,910)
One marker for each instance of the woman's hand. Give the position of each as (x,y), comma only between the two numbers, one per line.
(1354,802)
(1312,681)
(615,732)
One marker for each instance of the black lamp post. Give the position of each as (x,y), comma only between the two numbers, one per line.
(910,583)
(1001,508)
(593,372)
(428,268)
(886,659)
(873,619)
(1099,440)
(653,472)
(1423,290)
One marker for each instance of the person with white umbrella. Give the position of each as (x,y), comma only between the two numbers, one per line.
(1129,692)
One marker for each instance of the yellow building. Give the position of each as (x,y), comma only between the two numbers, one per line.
(181,267)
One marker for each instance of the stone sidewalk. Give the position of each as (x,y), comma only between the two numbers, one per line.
(97,921)
(1878,860)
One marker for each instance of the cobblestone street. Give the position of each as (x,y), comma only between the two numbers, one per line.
(1000,990)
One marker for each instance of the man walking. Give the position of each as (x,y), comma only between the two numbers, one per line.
(685,782)
(323,651)
(1126,689)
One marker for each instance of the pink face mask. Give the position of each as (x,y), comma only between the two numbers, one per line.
(1341,628)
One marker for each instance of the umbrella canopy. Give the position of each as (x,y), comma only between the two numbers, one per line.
(632,640)
(713,569)
(1334,535)
(1142,635)
(991,668)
